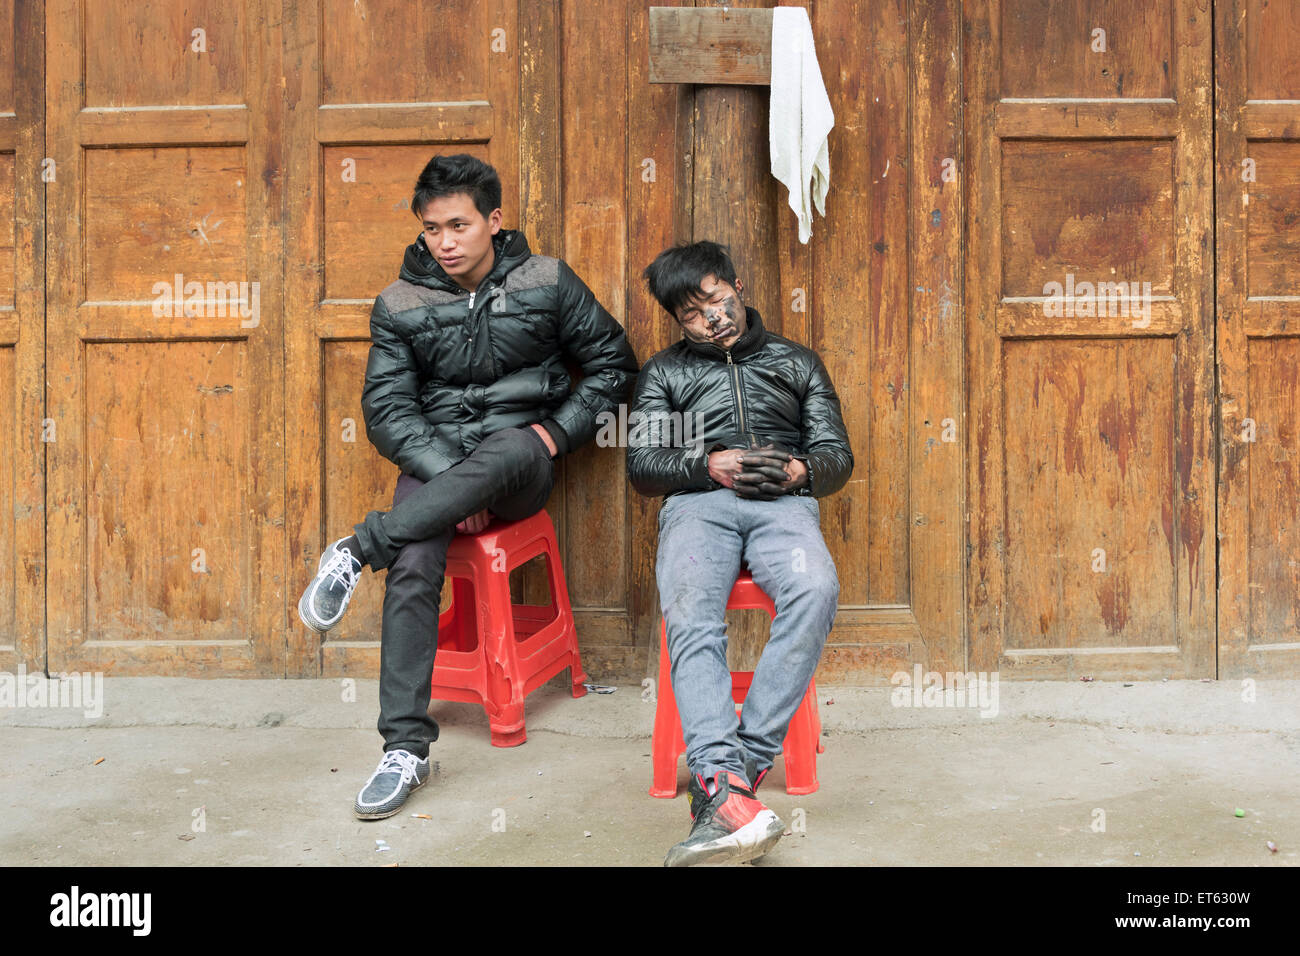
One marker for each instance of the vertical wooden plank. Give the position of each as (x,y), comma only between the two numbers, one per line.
(847,258)
(891,231)
(63,98)
(658,132)
(268,553)
(304,283)
(1195,423)
(796,262)
(540,210)
(22,609)
(594,176)
(985,533)
(937,397)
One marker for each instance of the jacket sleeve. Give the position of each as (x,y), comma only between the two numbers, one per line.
(824,440)
(653,468)
(593,339)
(390,402)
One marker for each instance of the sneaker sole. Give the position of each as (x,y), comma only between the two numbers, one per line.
(750,842)
(303,617)
(385,814)
(319,627)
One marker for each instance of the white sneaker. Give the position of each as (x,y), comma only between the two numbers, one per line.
(398,774)
(326,598)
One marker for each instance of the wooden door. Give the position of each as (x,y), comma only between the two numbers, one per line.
(165,365)
(374,91)
(1091,460)
(1258,164)
(22,337)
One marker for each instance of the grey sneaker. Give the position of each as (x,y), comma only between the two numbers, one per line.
(397,776)
(326,598)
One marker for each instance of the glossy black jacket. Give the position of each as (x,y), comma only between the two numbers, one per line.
(766,388)
(447,368)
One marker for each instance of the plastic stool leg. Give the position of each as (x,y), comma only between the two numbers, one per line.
(801,747)
(505,703)
(664,744)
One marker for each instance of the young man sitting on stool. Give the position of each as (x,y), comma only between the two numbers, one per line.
(773,441)
(467,393)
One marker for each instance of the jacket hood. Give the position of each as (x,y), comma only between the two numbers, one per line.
(421,268)
(751,341)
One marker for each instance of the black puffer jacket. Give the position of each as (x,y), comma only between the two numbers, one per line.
(766,389)
(448,368)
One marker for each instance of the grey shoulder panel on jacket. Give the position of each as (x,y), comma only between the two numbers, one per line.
(402,295)
(536,272)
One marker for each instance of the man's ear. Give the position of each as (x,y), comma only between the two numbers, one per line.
(494,221)
(739,287)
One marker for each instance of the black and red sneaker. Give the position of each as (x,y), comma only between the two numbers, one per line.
(731,825)
(697,796)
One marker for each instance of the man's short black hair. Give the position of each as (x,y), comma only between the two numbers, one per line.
(676,274)
(462,173)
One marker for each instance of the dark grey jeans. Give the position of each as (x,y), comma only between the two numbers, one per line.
(511,473)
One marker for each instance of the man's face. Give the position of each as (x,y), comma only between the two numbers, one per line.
(460,238)
(716,315)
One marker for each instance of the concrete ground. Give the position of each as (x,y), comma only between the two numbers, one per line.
(250,772)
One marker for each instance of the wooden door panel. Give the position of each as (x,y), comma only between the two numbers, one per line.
(375,91)
(166,477)
(1091,465)
(1258,248)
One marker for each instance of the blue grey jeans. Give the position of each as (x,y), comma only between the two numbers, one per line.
(703,538)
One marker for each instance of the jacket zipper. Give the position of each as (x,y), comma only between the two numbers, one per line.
(740,398)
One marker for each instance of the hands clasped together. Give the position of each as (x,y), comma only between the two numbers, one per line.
(764,474)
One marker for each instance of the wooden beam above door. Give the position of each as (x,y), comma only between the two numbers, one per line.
(719,46)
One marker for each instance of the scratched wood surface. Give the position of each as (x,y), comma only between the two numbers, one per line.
(165,474)
(22,336)
(1034,493)
(1258,246)
(1090,451)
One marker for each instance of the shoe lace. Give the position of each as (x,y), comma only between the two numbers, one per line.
(714,802)
(402,761)
(344,569)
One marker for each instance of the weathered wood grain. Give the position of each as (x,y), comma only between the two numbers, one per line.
(730,46)
(166,479)
(1258,326)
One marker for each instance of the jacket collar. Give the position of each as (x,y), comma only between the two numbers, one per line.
(755,338)
(421,268)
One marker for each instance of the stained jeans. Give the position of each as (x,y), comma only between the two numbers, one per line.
(510,473)
(703,538)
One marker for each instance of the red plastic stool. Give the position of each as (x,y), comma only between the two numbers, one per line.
(496,653)
(803,737)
